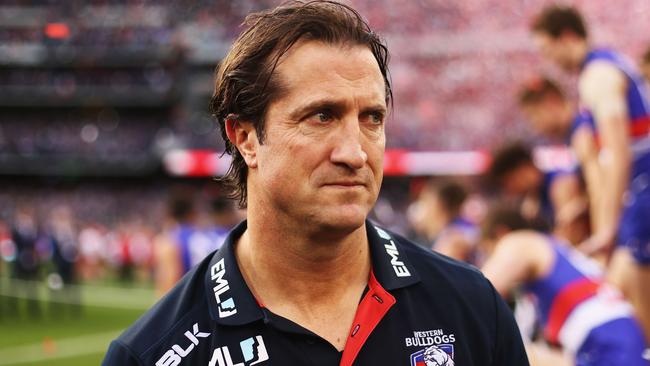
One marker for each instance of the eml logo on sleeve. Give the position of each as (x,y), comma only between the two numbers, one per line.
(253,351)
(391,249)
(225,307)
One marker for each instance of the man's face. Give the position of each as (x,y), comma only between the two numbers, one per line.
(557,50)
(550,117)
(523,180)
(432,212)
(321,163)
(645,69)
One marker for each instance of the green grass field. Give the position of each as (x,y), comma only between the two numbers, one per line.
(60,337)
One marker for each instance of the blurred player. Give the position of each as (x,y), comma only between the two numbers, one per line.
(172,248)
(645,64)
(441,223)
(578,311)
(611,138)
(224,217)
(26,234)
(551,199)
(62,232)
(184,243)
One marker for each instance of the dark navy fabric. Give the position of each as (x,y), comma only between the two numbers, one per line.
(445,311)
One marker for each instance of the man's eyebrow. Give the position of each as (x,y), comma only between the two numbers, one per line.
(323,104)
(381,108)
(332,105)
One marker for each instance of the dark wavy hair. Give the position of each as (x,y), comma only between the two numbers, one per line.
(246,82)
(556,19)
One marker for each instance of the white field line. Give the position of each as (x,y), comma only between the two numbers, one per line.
(103,296)
(56,349)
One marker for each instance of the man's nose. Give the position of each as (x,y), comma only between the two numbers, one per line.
(348,149)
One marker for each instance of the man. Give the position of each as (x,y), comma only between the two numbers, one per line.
(301,99)
(173,245)
(548,109)
(579,311)
(223,218)
(611,139)
(27,237)
(440,221)
(183,243)
(645,64)
(553,199)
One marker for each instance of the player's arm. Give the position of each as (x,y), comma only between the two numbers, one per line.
(567,199)
(167,264)
(602,90)
(511,262)
(564,190)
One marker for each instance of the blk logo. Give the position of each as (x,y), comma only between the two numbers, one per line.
(253,351)
(175,355)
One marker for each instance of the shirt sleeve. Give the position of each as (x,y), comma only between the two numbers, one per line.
(509,348)
(120,355)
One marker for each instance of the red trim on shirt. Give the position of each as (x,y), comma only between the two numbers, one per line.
(567,300)
(371,310)
(640,127)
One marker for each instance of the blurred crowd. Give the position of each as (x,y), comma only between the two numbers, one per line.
(76,136)
(104,234)
(448,70)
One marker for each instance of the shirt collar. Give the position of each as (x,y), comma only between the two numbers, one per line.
(232,303)
(390,264)
(230,300)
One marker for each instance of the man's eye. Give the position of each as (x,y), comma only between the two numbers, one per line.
(376,118)
(322,117)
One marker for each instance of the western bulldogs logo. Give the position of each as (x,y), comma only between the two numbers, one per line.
(440,355)
(438,348)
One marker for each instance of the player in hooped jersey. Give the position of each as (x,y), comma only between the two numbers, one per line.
(611,139)
(578,311)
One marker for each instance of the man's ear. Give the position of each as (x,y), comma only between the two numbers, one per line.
(243,136)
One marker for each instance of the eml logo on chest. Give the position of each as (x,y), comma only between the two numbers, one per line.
(253,351)
(391,249)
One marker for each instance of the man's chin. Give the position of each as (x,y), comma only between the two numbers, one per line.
(342,220)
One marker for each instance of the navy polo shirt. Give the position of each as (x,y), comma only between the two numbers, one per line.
(419,308)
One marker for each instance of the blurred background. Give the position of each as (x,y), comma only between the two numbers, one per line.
(107,146)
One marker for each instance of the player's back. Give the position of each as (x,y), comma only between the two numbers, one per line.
(576,305)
